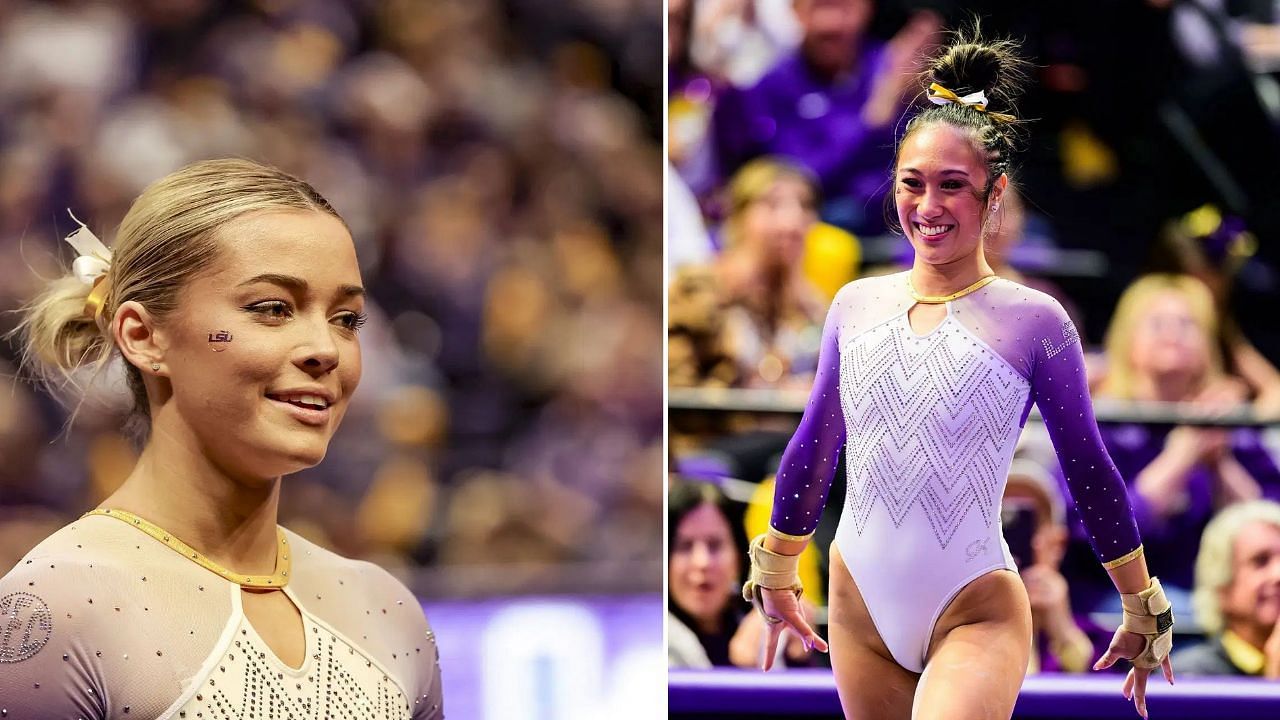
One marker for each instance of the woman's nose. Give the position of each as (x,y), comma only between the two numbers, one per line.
(930,205)
(701,555)
(320,353)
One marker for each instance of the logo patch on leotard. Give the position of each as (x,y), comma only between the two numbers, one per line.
(976,548)
(25,626)
(1069,335)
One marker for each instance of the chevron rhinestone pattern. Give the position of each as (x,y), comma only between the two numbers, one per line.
(336,683)
(932,422)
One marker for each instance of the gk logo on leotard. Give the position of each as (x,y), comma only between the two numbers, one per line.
(25,626)
(977,548)
(1069,335)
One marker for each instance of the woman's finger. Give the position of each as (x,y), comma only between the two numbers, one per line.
(1127,689)
(1167,666)
(1140,690)
(1108,659)
(797,621)
(771,645)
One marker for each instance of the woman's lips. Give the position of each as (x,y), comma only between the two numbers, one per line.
(937,236)
(315,417)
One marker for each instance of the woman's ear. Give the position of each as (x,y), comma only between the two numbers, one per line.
(997,192)
(139,337)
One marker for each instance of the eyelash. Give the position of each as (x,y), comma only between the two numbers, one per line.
(916,185)
(356,320)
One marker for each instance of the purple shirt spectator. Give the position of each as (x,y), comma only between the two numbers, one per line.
(1171,543)
(797,113)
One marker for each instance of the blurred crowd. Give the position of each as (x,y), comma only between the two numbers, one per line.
(498,165)
(783,115)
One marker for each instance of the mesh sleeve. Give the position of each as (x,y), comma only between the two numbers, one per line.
(1060,390)
(46,669)
(809,462)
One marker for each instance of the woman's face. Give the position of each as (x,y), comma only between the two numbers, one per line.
(704,563)
(938,192)
(1167,340)
(1253,597)
(778,220)
(262,353)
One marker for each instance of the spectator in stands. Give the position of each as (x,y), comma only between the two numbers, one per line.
(1237,595)
(1060,643)
(774,318)
(741,39)
(1215,248)
(830,106)
(706,552)
(692,92)
(1159,347)
(696,353)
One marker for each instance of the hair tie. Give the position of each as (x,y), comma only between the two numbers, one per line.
(91,267)
(939,95)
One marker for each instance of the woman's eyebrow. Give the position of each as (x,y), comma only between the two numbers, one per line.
(298,285)
(948,171)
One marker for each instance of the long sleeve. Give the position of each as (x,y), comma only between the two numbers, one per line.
(1061,392)
(809,462)
(50,666)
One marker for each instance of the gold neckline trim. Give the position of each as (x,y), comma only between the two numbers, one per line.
(266,582)
(939,299)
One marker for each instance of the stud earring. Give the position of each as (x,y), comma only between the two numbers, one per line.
(155,367)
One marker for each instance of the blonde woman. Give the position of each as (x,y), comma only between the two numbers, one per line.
(233,298)
(774,315)
(1160,348)
(1237,595)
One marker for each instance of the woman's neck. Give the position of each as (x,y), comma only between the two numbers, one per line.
(947,278)
(1250,632)
(175,486)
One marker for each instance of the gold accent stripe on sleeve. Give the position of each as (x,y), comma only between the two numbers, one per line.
(785,536)
(1127,557)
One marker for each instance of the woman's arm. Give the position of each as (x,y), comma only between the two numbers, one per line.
(1162,483)
(800,492)
(809,462)
(1234,483)
(1059,387)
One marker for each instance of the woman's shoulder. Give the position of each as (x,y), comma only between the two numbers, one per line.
(871,290)
(88,543)
(1023,298)
(315,564)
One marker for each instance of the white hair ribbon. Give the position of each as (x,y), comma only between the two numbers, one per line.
(94,258)
(939,95)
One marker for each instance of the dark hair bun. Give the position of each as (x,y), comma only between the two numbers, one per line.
(970,64)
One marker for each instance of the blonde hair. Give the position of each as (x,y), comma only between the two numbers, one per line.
(1216,559)
(168,236)
(751,183)
(1118,344)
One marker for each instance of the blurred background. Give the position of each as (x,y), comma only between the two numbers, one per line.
(1145,203)
(499,166)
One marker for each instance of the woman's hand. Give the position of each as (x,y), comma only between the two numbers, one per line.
(1128,645)
(748,642)
(784,604)
(903,58)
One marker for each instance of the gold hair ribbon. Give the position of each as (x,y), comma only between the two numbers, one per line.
(939,95)
(91,267)
(265,582)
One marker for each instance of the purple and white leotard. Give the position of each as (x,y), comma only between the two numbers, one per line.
(928,425)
